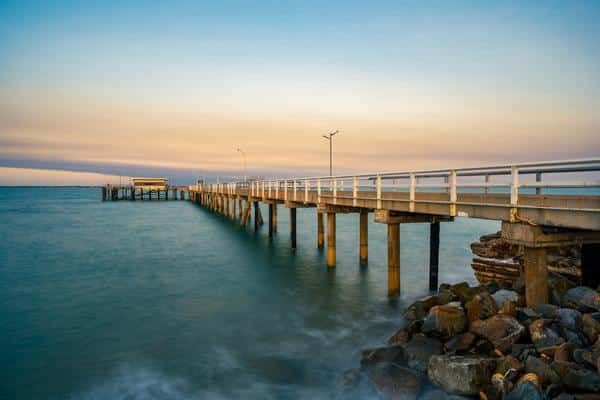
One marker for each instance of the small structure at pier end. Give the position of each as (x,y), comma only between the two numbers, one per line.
(144,189)
(150,183)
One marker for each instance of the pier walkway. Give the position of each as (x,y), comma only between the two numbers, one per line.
(541,205)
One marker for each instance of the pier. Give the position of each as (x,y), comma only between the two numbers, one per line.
(528,199)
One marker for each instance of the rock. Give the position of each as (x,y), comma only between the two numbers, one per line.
(383,354)
(553,390)
(522,351)
(558,285)
(502,330)
(395,382)
(507,363)
(526,314)
(418,351)
(464,375)
(351,379)
(546,374)
(585,357)
(582,298)
(462,291)
(577,378)
(543,337)
(591,326)
(564,352)
(569,318)
(503,296)
(481,306)
(483,347)
(548,311)
(530,377)
(460,344)
(445,321)
(419,309)
(400,337)
(525,390)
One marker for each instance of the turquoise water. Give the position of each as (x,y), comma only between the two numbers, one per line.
(165,300)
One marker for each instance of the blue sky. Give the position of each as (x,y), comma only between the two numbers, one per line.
(418,84)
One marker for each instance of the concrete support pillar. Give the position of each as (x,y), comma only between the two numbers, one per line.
(103,193)
(226,200)
(256,212)
(271,220)
(590,265)
(234,209)
(434,254)
(536,276)
(331,252)
(275,217)
(393,259)
(293,228)
(320,231)
(241,206)
(364,237)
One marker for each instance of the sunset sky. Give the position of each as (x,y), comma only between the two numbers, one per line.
(173,88)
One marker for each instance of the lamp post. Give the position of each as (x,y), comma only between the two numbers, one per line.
(244,160)
(329,137)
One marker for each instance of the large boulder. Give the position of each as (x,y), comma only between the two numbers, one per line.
(418,351)
(502,330)
(582,298)
(395,382)
(507,363)
(558,285)
(564,352)
(547,311)
(419,309)
(481,306)
(463,291)
(405,333)
(464,375)
(445,321)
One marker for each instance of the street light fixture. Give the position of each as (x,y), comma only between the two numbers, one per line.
(329,137)
(243,153)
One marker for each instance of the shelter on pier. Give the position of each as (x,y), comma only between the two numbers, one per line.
(150,183)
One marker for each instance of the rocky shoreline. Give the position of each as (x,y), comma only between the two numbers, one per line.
(483,342)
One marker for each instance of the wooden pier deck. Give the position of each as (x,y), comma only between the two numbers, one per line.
(540,205)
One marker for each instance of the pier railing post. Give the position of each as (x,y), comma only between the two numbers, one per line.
(411,189)
(295,190)
(514,192)
(306,187)
(453,196)
(335,191)
(379,199)
(354,191)
(319,190)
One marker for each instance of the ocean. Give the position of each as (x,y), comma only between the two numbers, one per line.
(166,300)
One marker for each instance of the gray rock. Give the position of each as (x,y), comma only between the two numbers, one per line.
(548,311)
(558,286)
(506,363)
(463,291)
(419,309)
(546,374)
(502,330)
(576,377)
(383,354)
(525,390)
(395,382)
(445,321)
(569,318)
(418,351)
(564,352)
(503,296)
(582,298)
(463,375)
(460,344)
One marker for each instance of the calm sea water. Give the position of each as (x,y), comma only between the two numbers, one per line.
(165,300)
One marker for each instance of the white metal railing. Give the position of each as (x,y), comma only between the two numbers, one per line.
(375,186)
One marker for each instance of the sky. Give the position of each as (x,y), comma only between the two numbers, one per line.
(174,88)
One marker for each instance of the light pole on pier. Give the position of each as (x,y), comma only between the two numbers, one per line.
(329,137)
(243,153)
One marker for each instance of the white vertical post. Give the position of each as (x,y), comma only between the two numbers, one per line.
(335,191)
(306,186)
(354,190)
(285,190)
(453,196)
(411,189)
(487,182)
(277,189)
(295,190)
(514,187)
(262,185)
(270,184)
(379,199)
(319,190)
